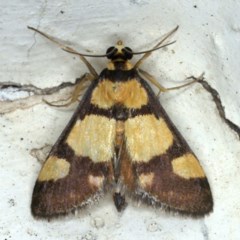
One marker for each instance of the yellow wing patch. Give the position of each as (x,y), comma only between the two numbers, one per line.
(96,181)
(55,168)
(146,179)
(187,166)
(130,94)
(146,137)
(93,137)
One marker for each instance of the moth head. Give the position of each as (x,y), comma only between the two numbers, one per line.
(119,52)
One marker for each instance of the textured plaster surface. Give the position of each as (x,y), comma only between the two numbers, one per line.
(208,40)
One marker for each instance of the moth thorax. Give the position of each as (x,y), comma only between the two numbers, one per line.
(122,65)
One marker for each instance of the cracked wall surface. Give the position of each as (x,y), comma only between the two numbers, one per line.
(34,70)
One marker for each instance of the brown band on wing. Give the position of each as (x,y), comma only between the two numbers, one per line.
(64,151)
(118,112)
(191,195)
(174,151)
(118,75)
(85,182)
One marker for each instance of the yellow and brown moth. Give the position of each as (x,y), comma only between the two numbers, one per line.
(120,139)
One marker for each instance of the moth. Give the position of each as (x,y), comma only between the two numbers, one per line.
(121,140)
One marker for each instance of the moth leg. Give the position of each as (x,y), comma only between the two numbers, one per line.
(68,49)
(146,55)
(79,88)
(162,88)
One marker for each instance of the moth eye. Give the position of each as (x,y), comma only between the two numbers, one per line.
(128,49)
(128,52)
(111,52)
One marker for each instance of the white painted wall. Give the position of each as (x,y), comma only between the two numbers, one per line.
(208,40)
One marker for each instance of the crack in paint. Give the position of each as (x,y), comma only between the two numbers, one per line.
(204,230)
(41,153)
(37,94)
(39,91)
(43,10)
(36,90)
(216,98)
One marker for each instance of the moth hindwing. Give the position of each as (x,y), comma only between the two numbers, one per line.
(120,139)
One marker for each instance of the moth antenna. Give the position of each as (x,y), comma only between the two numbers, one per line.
(146,55)
(150,50)
(68,49)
